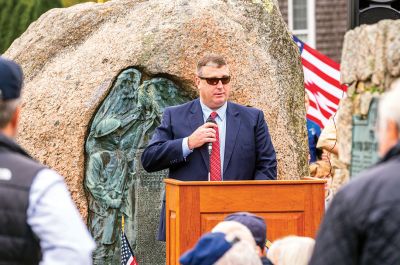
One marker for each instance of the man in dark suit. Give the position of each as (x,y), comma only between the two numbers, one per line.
(241,144)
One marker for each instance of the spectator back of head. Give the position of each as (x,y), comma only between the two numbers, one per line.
(236,229)
(254,223)
(291,250)
(210,248)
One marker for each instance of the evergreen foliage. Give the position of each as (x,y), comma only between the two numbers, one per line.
(67,3)
(16,15)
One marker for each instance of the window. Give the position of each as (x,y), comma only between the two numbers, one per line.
(301,18)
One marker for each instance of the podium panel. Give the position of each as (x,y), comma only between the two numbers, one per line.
(194,208)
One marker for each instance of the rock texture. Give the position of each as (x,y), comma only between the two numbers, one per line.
(71,57)
(370,64)
(371,54)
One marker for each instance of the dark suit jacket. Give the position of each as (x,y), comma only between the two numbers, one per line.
(249,153)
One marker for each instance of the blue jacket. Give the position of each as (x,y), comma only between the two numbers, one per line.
(314,132)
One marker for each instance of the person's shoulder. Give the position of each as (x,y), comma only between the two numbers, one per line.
(243,108)
(373,185)
(181,107)
(48,176)
(27,160)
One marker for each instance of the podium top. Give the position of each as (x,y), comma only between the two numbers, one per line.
(243,182)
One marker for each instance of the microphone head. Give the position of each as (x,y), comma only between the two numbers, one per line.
(211,120)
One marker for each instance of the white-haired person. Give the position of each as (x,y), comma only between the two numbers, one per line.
(291,250)
(258,228)
(245,251)
(361,225)
(229,243)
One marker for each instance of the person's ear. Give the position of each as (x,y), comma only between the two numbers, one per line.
(388,137)
(392,131)
(15,120)
(197,81)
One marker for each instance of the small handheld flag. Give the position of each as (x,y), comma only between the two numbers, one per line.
(127,256)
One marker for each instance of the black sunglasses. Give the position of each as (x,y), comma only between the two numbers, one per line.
(215,80)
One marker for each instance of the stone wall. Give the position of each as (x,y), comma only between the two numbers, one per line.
(370,64)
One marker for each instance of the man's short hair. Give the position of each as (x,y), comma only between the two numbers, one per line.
(242,253)
(291,250)
(210,59)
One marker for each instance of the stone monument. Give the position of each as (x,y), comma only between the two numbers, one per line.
(116,183)
(370,64)
(73,58)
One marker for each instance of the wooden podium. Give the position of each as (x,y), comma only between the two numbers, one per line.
(195,207)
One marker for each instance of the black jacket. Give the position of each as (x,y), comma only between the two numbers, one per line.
(362,225)
(17,171)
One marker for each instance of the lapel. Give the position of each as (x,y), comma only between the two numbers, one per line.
(232,129)
(196,120)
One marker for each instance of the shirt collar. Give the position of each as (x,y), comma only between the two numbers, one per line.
(207,111)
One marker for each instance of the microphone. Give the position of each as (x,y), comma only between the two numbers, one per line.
(210,144)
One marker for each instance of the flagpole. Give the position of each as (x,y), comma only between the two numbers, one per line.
(123,224)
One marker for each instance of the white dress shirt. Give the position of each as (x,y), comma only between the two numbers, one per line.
(54,219)
(221,122)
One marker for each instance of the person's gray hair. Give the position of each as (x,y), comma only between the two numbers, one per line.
(7,109)
(235,229)
(291,250)
(389,107)
(241,253)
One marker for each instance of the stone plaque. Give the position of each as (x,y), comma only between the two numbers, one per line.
(116,183)
(148,200)
(364,151)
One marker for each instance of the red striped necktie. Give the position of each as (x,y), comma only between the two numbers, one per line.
(215,159)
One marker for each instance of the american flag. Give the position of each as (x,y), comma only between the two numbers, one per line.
(322,83)
(127,256)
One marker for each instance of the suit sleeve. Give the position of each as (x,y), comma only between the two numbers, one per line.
(265,152)
(163,150)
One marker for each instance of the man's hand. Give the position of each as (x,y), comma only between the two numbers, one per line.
(204,134)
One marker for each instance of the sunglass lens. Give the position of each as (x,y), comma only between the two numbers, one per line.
(225,80)
(214,81)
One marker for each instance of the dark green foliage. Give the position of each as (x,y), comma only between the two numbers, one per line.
(67,3)
(16,15)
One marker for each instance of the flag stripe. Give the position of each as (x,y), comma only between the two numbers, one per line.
(321,82)
(321,74)
(334,73)
(321,105)
(316,116)
(311,77)
(322,57)
(316,120)
(314,89)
